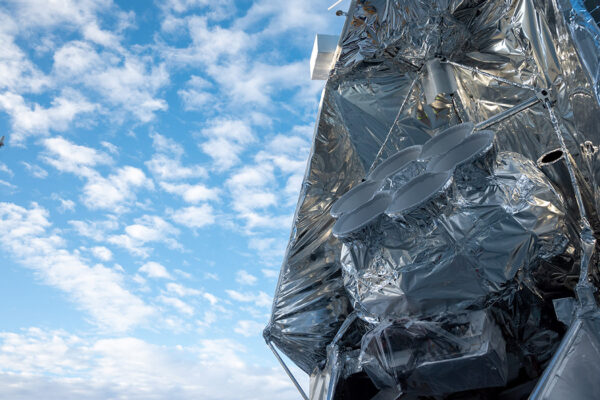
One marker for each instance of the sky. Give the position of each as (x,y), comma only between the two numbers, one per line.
(153,158)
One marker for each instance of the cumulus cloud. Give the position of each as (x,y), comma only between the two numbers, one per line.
(225,141)
(194,217)
(4,168)
(35,170)
(249,328)
(114,192)
(177,304)
(181,290)
(96,230)
(144,230)
(102,253)
(155,270)
(196,94)
(38,361)
(67,156)
(191,193)
(166,164)
(117,190)
(244,278)
(33,119)
(97,290)
(260,299)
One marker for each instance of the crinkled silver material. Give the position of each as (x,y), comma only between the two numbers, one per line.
(374,105)
(451,354)
(574,369)
(488,236)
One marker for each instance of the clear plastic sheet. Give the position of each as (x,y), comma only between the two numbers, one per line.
(502,52)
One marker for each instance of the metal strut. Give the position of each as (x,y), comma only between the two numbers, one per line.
(389,134)
(287,370)
(507,113)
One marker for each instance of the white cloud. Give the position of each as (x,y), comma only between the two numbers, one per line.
(7,184)
(191,193)
(260,299)
(244,278)
(217,11)
(5,169)
(249,328)
(212,299)
(298,18)
(210,43)
(196,96)
(194,217)
(65,204)
(155,270)
(124,81)
(67,156)
(144,230)
(271,250)
(211,276)
(36,362)
(35,170)
(102,253)
(96,230)
(17,73)
(112,149)
(98,290)
(116,191)
(27,120)
(181,290)
(254,193)
(166,165)
(258,83)
(270,273)
(226,139)
(178,304)
(132,87)
(74,14)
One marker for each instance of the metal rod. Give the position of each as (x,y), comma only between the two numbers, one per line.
(333,351)
(334,4)
(508,113)
(559,356)
(400,110)
(497,78)
(287,370)
(584,289)
(458,108)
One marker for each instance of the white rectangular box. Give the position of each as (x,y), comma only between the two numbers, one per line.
(321,59)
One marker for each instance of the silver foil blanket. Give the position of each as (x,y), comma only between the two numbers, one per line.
(456,353)
(489,238)
(374,105)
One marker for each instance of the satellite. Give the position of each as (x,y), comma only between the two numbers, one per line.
(445,241)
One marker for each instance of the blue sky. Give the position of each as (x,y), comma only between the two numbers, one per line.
(154,154)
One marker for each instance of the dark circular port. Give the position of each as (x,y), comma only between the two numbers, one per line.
(544,93)
(552,156)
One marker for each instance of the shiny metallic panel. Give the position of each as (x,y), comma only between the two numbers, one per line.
(468,247)
(510,239)
(449,355)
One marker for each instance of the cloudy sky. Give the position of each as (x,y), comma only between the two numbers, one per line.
(154,153)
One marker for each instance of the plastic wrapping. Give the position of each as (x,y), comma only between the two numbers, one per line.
(516,241)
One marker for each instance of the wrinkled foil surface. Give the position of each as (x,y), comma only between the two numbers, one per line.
(489,238)
(502,53)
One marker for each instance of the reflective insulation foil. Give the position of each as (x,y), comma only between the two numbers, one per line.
(452,267)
